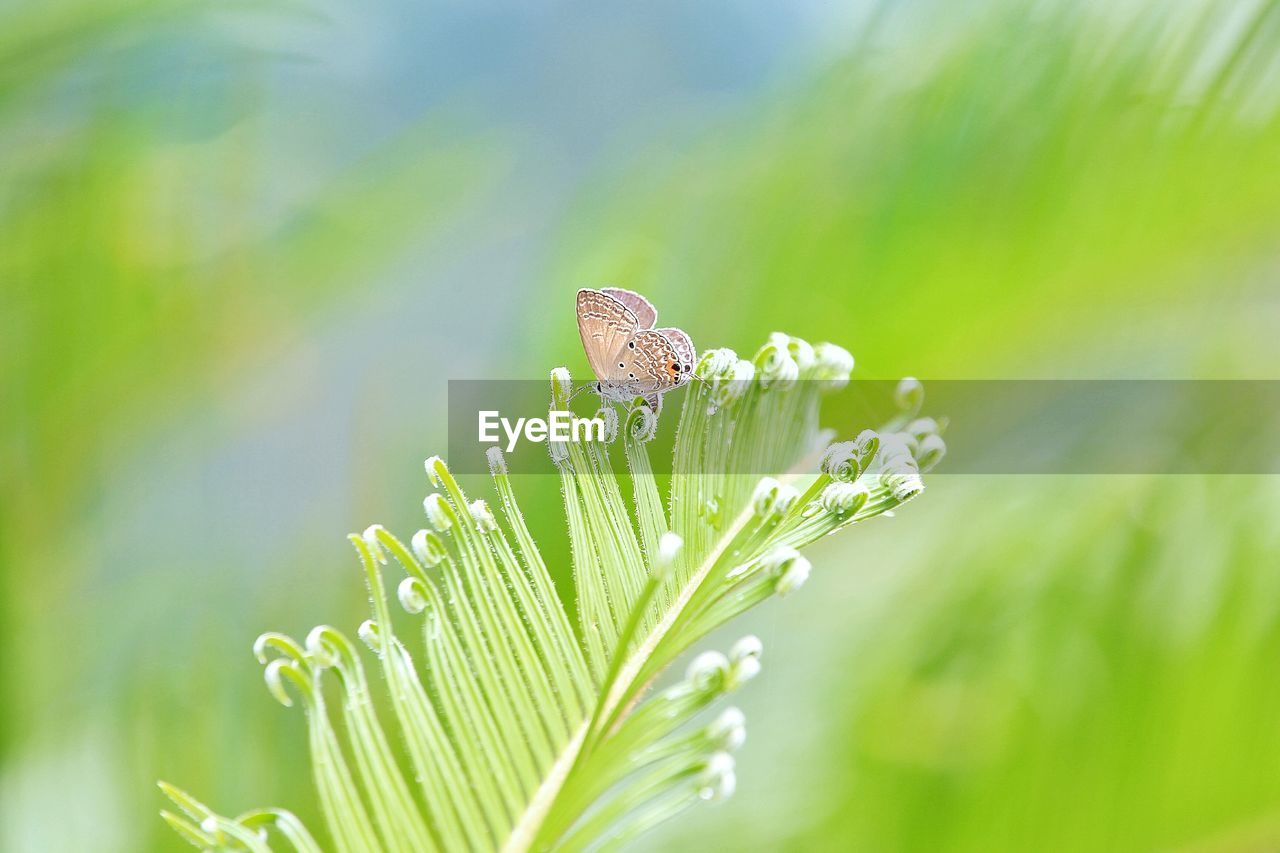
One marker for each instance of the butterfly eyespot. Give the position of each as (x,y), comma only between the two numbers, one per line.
(621,365)
(631,344)
(631,376)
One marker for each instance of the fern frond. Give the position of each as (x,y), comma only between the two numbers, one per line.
(526,731)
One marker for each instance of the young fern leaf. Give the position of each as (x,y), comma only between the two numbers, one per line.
(524,731)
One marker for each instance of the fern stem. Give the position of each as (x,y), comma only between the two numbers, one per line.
(527,829)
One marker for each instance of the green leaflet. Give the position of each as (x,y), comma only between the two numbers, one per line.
(524,731)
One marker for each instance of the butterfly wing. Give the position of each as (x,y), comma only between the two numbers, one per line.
(646,314)
(651,363)
(605,325)
(684,351)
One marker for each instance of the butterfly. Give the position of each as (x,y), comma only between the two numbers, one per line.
(629,357)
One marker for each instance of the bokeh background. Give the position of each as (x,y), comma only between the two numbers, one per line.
(243,247)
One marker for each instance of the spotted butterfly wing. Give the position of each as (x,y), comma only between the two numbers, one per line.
(674,356)
(605,324)
(653,362)
(684,351)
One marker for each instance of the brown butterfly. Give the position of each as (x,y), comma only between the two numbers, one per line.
(629,357)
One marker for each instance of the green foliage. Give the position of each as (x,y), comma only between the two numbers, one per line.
(1050,189)
(524,732)
(1013,188)
(1110,677)
(1004,183)
(138,274)
(1098,676)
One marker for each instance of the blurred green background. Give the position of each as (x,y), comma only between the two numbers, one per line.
(243,247)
